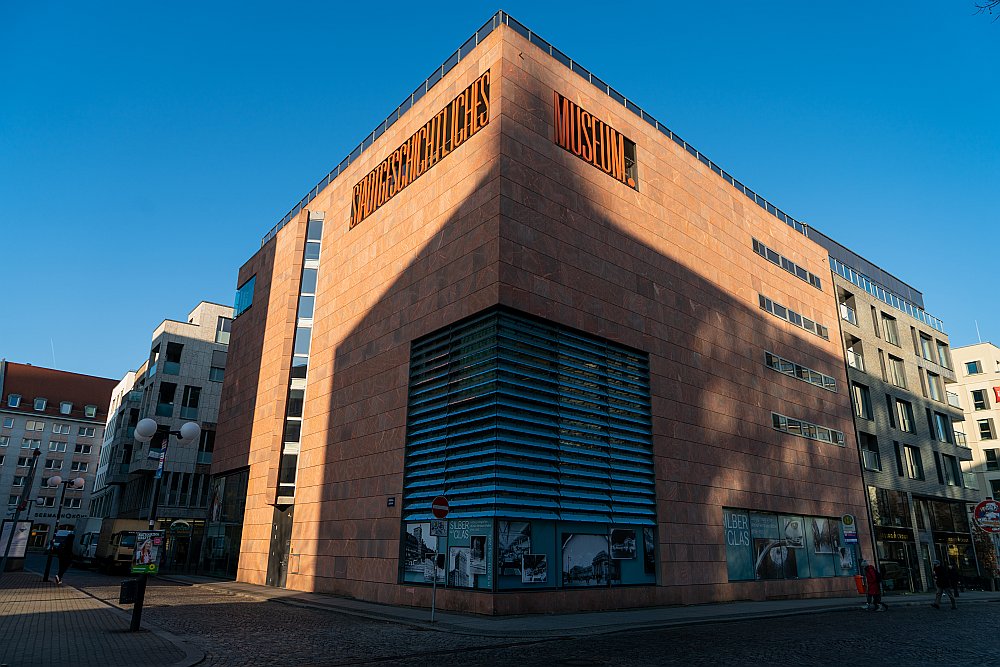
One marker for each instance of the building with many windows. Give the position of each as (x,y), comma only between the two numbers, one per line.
(978,391)
(181,381)
(901,373)
(61,415)
(620,365)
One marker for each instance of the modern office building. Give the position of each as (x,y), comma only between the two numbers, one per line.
(900,370)
(978,391)
(181,381)
(619,364)
(61,415)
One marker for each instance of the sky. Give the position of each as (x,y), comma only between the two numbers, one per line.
(146,147)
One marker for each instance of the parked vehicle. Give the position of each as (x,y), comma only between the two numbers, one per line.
(116,543)
(88,532)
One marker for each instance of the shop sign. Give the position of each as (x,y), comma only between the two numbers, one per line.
(447,130)
(987,516)
(952,538)
(594,141)
(996,394)
(148,548)
(883,534)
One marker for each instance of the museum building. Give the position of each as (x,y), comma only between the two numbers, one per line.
(620,365)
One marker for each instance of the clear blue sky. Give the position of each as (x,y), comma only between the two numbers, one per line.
(145,148)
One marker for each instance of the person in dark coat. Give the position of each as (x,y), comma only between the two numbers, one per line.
(64,552)
(954,578)
(942,581)
(873,584)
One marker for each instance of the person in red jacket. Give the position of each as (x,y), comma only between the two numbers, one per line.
(873,584)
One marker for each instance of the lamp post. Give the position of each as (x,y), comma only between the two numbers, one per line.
(56,480)
(144,432)
(21,506)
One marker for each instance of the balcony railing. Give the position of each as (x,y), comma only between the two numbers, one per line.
(189,413)
(847,313)
(960,439)
(171,368)
(165,409)
(953,400)
(964,453)
(855,360)
(205,457)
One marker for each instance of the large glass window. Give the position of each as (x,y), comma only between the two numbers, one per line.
(979,400)
(890,330)
(914,463)
(244,296)
(904,416)
(870,456)
(897,373)
(862,400)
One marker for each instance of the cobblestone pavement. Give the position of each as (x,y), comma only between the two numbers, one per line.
(42,623)
(233,629)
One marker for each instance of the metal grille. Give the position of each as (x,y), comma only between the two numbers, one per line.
(511,416)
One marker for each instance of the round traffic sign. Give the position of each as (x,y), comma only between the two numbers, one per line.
(439,507)
(987,516)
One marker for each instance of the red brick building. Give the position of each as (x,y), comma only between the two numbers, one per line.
(525,294)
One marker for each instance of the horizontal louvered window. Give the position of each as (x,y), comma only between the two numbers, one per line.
(510,416)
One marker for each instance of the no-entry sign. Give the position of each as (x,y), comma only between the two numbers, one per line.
(439,507)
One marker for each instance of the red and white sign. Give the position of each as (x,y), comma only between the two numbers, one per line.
(439,507)
(996,393)
(987,516)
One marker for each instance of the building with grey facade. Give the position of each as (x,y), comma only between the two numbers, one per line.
(181,381)
(901,375)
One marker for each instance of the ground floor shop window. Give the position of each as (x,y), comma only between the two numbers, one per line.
(762,545)
(511,554)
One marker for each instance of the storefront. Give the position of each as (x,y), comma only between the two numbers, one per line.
(897,557)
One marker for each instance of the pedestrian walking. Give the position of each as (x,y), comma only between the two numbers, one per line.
(64,552)
(953,578)
(942,581)
(873,584)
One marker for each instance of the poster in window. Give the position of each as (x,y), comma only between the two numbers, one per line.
(514,539)
(434,567)
(739,554)
(648,550)
(534,568)
(587,561)
(477,554)
(418,548)
(622,544)
(823,536)
(460,567)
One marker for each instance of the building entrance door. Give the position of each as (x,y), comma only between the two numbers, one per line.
(281,544)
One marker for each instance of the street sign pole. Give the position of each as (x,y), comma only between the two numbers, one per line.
(439,508)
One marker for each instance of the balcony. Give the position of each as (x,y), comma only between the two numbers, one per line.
(164,409)
(189,413)
(171,368)
(847,313)
(960,439)
(855,360)
(964,453)
(953,400)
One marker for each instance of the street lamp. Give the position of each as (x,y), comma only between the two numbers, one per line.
(53,481)
(144,432)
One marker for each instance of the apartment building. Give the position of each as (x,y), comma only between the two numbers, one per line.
(180,381)
(61,415)
(901,375)
(978,392)
(620,365)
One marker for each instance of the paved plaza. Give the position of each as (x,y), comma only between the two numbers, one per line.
(198,621)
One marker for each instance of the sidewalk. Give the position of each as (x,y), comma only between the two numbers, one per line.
(44,624)
(574,624)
